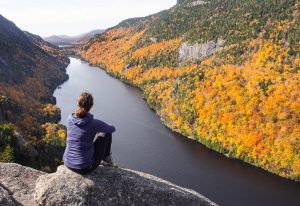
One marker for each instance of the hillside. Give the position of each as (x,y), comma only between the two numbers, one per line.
(51,49)
(73,40)
(225,73)
(30,70)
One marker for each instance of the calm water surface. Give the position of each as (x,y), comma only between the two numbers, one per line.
(143,143)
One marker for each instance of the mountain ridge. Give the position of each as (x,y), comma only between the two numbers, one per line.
(30,69)
(73,40)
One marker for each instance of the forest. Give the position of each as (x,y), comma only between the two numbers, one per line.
(30,70)
(242,101)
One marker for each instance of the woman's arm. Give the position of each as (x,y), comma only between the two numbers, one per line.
(101,126)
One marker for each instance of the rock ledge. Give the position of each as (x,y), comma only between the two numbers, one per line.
(17,184)
(110,186)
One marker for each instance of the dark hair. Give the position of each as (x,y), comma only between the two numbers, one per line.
(84,102)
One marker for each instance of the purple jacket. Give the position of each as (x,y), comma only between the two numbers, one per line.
(80,136)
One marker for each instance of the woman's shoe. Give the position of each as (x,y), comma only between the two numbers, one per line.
(108,161)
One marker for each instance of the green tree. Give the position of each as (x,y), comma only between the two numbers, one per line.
(8,154)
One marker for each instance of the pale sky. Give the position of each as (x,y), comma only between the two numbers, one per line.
(73,17)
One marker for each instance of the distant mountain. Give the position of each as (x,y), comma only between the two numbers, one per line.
(30,70)
(72,40)
(58,40)
(48,47)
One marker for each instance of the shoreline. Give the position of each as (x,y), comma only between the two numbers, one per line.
(208,145)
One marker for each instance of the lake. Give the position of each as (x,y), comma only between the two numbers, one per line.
(143,143)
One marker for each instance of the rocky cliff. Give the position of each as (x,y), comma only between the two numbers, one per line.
(104,186)
(198,52)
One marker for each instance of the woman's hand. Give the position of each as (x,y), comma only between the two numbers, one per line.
(100,134)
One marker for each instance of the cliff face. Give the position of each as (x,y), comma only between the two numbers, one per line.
(104,186)
(198,52)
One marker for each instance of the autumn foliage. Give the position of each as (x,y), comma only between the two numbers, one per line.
(245,106)
(30,70)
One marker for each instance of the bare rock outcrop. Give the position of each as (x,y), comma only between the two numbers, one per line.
(110,186)
(197,52)
(196,3)
(18,183)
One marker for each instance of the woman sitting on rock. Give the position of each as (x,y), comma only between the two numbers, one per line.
(88,139)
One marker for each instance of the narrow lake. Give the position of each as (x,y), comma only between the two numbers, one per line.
(143,143)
